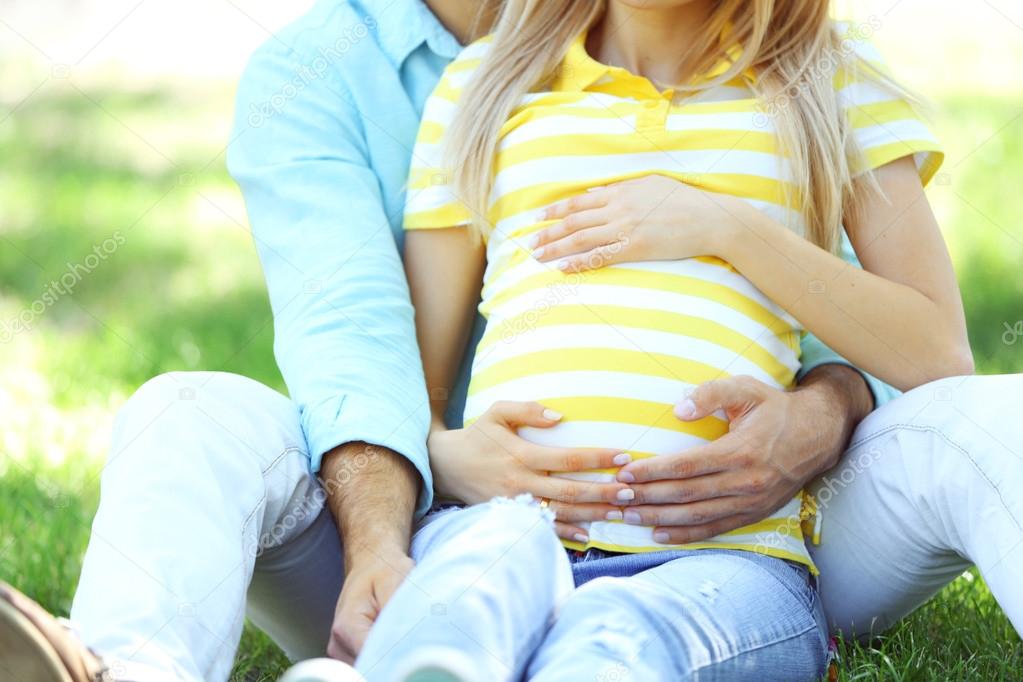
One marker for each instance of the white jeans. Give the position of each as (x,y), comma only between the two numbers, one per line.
(208,511)
(932,484)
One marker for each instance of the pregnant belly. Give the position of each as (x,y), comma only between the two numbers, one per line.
(620,399)
(609,398)
(613,351)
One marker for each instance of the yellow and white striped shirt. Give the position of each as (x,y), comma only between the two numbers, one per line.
(613,349)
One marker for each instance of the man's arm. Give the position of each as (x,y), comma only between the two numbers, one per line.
(371,492)
(842,389)
(343,321)
(344,333)
(345,338)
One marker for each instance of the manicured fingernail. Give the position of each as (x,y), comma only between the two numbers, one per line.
(661,537)
(633,518)
(626,477)
(622,459)
(615,515)
(534,240)
(626,495)
(685,409)
(579,537)
(541,215)
(551,415)
(537,253)
(564,264)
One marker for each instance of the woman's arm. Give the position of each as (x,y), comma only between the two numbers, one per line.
(489,459)
(445,274)
(900,318)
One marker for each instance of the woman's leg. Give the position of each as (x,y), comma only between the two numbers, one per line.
(717,615)
(932,483)
(481,597)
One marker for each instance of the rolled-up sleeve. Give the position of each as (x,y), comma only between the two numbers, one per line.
(344,331)
(815,354)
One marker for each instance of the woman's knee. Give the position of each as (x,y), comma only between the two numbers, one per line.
(518,523)
(600,622)
(603,600)
(517,528)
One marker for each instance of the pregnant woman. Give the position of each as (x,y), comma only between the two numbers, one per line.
(643,200)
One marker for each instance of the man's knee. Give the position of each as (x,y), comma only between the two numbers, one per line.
(992,399)
(165,418)
(211,390)
(971,413)
(605,614)
(952,398)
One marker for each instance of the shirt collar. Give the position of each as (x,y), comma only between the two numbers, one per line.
(733,53)
(404,25)
(579,70)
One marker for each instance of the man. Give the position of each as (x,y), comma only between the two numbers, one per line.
(211,507)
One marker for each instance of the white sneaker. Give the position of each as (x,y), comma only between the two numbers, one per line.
(322,670)
(437,664)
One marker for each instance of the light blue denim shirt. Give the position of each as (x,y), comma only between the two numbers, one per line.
(327,115)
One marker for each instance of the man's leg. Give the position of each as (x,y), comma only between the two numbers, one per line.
(206,488)
(932,483)
(486,583)
(712,615)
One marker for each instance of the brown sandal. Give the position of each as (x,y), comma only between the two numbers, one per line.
(36,647)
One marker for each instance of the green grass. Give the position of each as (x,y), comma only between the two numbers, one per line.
(184,291)
(960,635)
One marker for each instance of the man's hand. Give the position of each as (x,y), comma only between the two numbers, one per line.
(367,588)
(372,493)
(777,441)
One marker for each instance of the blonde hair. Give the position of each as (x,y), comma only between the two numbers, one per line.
(791,45)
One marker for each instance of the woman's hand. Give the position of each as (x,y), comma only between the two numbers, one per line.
(650,218)
(489,459)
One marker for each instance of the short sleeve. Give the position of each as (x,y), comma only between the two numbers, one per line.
(430,200)
(886,126)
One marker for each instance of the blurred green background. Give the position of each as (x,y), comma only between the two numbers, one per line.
(112,184)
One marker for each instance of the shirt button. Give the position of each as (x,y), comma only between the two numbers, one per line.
(651,103)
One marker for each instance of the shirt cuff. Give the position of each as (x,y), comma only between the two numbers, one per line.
(353,418)
(816,354)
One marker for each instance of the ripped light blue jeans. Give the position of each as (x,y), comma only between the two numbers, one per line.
(494,588)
